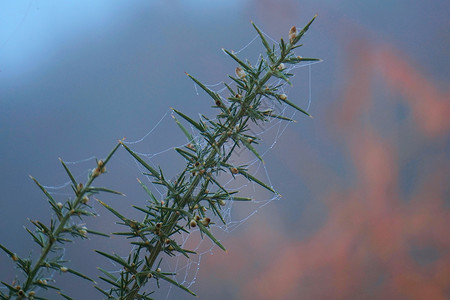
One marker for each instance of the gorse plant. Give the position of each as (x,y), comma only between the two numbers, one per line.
(192,198)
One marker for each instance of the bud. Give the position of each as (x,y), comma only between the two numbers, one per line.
(60,205)
(197,218)
(193,223)
(85,200)
(149,275)
(205,221)
(14,257)
(281,67)
(83,231)
(240,73)
(158,270)
(292,34)
(282,96)
(221,202)
(234,170)
(63,269)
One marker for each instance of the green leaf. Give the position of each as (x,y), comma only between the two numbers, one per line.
(186,133)
(263,38)
(102,189)
(35,238)
(113,211)
(111,276)
(209,234)
(9,252)
(254,179)
(74,182)
(96,232)
(213,95)
(294,106)
(80,275)
(142,162)
(251,148)
(65,296)
(49,197)
(146,189)
(196,125)
(303,31)
(104,292)
(243,64)
(115,258)
(168,279)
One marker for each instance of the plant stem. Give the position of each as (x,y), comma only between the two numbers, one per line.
(173,217)
(63,222)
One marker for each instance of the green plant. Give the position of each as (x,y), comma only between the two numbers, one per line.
(191,198)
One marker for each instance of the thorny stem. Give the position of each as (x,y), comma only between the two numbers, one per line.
(51,240)
(173,217)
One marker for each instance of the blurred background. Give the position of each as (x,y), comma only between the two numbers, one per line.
(365,209)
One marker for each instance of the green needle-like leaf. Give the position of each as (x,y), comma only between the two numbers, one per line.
(186,133)
(168,279)
(142,162)
(210,235)
(113,211)
(196,125)
(254,179)
(251,148)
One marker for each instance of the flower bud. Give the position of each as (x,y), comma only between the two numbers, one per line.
(63,269)
(240,73)
(193,223)
(292,34)
(281,67)
(282,96)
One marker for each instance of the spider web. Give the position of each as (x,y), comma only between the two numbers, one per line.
(157,154)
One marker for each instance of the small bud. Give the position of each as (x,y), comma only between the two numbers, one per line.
(96,172)
(299,57)
(204,208)
(167,241)
(14,257)
(218,103)
(240,73)
(196,206)
(21,293)
(250,140)
(149,275)
(197,164)
(190,146)
(221,202)
(201,171)
(158,270)
(281,67)
(193,223)
(234,170)
(85,200)
(158,225)
(170,248)
(282,96)
(83,232)
(63,269)
(79,187)
(31,294)
(292,34)
(239,96)
(205,221)
(197,218)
